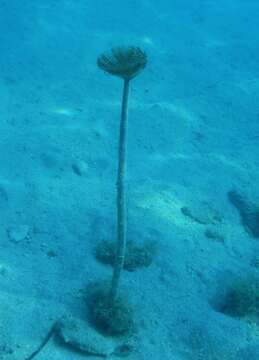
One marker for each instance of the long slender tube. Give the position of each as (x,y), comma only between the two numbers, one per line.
(121,198)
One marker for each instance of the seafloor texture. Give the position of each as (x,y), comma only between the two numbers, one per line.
(192,173)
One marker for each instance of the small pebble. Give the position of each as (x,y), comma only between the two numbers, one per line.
(18,233)
(80,168)
(51,254)
(214,235)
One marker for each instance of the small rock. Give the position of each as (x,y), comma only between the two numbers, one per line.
(18,233)
(80,337)
(3,270)
(248,353)
(6,349)
(214,235)
(203,213)
(52,253)
(255,261)
(80,168)
(3,197)
(125,349)
(248,211)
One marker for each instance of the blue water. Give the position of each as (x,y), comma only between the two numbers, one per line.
(192,172)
